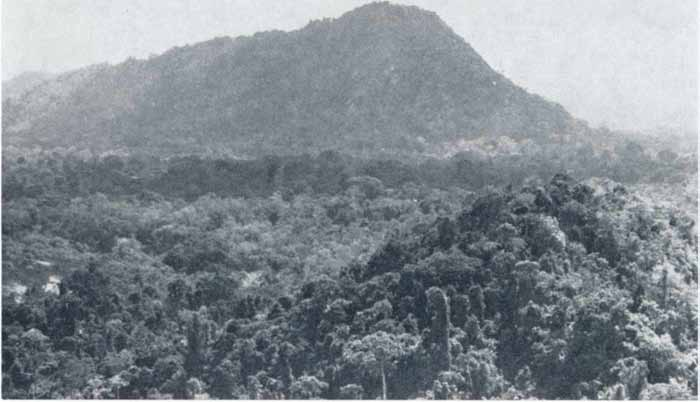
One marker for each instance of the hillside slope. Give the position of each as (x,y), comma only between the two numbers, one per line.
(17,86)
(380,76)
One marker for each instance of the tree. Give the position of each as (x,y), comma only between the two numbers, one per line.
(448,384)
(478,368)
(195,389)
(632,375)
(224,380)
(351,391)
(673,390)
(177,384)
(476,301)
(440,327)
(459,310)
(307,387)
(378,352)
(118,382)
(666,156)
(195,348)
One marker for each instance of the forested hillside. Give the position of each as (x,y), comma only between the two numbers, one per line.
(380,76)
(23,83)
(327,276)
(359,209)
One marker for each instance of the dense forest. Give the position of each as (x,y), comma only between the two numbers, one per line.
(329,276)
(361,208)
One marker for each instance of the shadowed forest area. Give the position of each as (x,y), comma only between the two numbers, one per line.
(335,277)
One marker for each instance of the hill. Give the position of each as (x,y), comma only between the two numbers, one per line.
(380,76)
(19,85)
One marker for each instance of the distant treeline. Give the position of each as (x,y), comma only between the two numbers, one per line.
(190,177)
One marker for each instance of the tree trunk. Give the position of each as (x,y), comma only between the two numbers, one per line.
(383,381)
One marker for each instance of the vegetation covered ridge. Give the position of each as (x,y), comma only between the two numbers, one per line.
(559,290)
(346,83)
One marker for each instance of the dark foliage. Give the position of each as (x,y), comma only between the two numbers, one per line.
(561,290)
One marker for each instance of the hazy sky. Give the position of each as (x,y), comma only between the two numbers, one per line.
(629,64)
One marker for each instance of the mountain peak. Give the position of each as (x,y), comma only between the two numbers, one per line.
(387,13)
(381,75)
